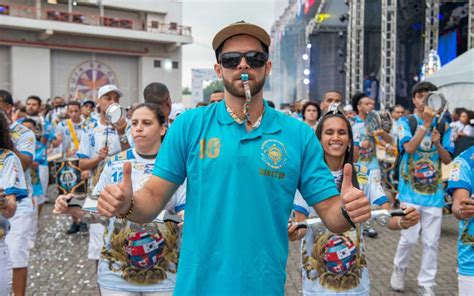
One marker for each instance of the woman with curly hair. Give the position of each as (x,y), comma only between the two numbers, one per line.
(335,263)
(12,189)
(137,261)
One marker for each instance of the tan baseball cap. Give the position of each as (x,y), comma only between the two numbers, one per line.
(240,28)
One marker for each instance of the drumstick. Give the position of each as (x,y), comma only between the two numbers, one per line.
(106,135)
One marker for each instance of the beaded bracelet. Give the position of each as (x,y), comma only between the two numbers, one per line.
(129,212)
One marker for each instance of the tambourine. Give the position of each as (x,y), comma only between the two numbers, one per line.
(335,108)
(114,113)
(61,111)
(436,101)
(378,120)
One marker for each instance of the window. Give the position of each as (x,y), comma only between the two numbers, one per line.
(157,63)
(175,65)
(173,26)
(154,24)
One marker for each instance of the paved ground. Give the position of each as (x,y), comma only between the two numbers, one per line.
(59,266)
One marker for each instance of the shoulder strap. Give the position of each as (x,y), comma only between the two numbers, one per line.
(413,124)
(441,127)
(73,133)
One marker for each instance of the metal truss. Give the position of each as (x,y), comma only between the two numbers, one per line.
(388,54)
(470,40)
(315,23)
(431,26)
(355,48)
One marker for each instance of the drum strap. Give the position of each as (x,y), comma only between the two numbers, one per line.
(73,133)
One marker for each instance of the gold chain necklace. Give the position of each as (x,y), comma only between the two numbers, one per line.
(241,121)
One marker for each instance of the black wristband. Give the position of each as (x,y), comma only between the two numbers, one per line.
(346,215)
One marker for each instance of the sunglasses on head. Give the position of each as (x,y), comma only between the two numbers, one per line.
(255,59)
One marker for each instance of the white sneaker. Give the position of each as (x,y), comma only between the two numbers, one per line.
(426,291)
(397,281)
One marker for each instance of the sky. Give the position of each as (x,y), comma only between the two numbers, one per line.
(207,17)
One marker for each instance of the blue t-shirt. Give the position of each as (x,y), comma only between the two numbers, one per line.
(462,176)
(420,179)
(240,190)
(41,159)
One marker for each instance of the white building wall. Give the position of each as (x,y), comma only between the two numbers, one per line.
(5,68)
(171,77)
(30,72)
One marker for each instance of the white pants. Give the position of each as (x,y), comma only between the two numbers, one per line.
(44,178)
(430,227)
(5,269)
(107,292)
(33,227)
(465,285)
(96,241)
(18,239)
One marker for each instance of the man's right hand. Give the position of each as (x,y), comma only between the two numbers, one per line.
(61,204)
(427,116)
(115,200)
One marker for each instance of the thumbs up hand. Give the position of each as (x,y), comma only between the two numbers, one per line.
(115,199)
(353,200)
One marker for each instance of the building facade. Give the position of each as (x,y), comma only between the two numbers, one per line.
(71,48)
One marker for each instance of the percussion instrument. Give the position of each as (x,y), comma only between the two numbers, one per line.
(68,178)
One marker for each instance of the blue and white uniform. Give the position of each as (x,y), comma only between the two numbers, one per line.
(12,180)
(367,156)
(138,261)
(91,142)
(339,257)
(462,177)
(39,175)
(24,224)
(68,144)
(420,185)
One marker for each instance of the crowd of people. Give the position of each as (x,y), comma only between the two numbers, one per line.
(256,178)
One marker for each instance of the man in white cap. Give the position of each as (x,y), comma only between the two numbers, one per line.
(100,141)
(242,170)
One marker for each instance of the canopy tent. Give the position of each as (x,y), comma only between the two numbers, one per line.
(456,81)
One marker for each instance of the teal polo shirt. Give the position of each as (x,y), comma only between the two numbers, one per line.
(240,191)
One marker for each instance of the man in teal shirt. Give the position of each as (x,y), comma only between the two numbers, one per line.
(242,172)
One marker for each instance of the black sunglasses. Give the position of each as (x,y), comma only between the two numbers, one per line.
(255,59)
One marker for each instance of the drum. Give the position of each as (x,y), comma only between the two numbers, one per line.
(68,178)
(52,173)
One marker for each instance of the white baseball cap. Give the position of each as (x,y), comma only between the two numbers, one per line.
(109,88)
(176,109)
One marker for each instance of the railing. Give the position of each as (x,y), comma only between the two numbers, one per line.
(61,15)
